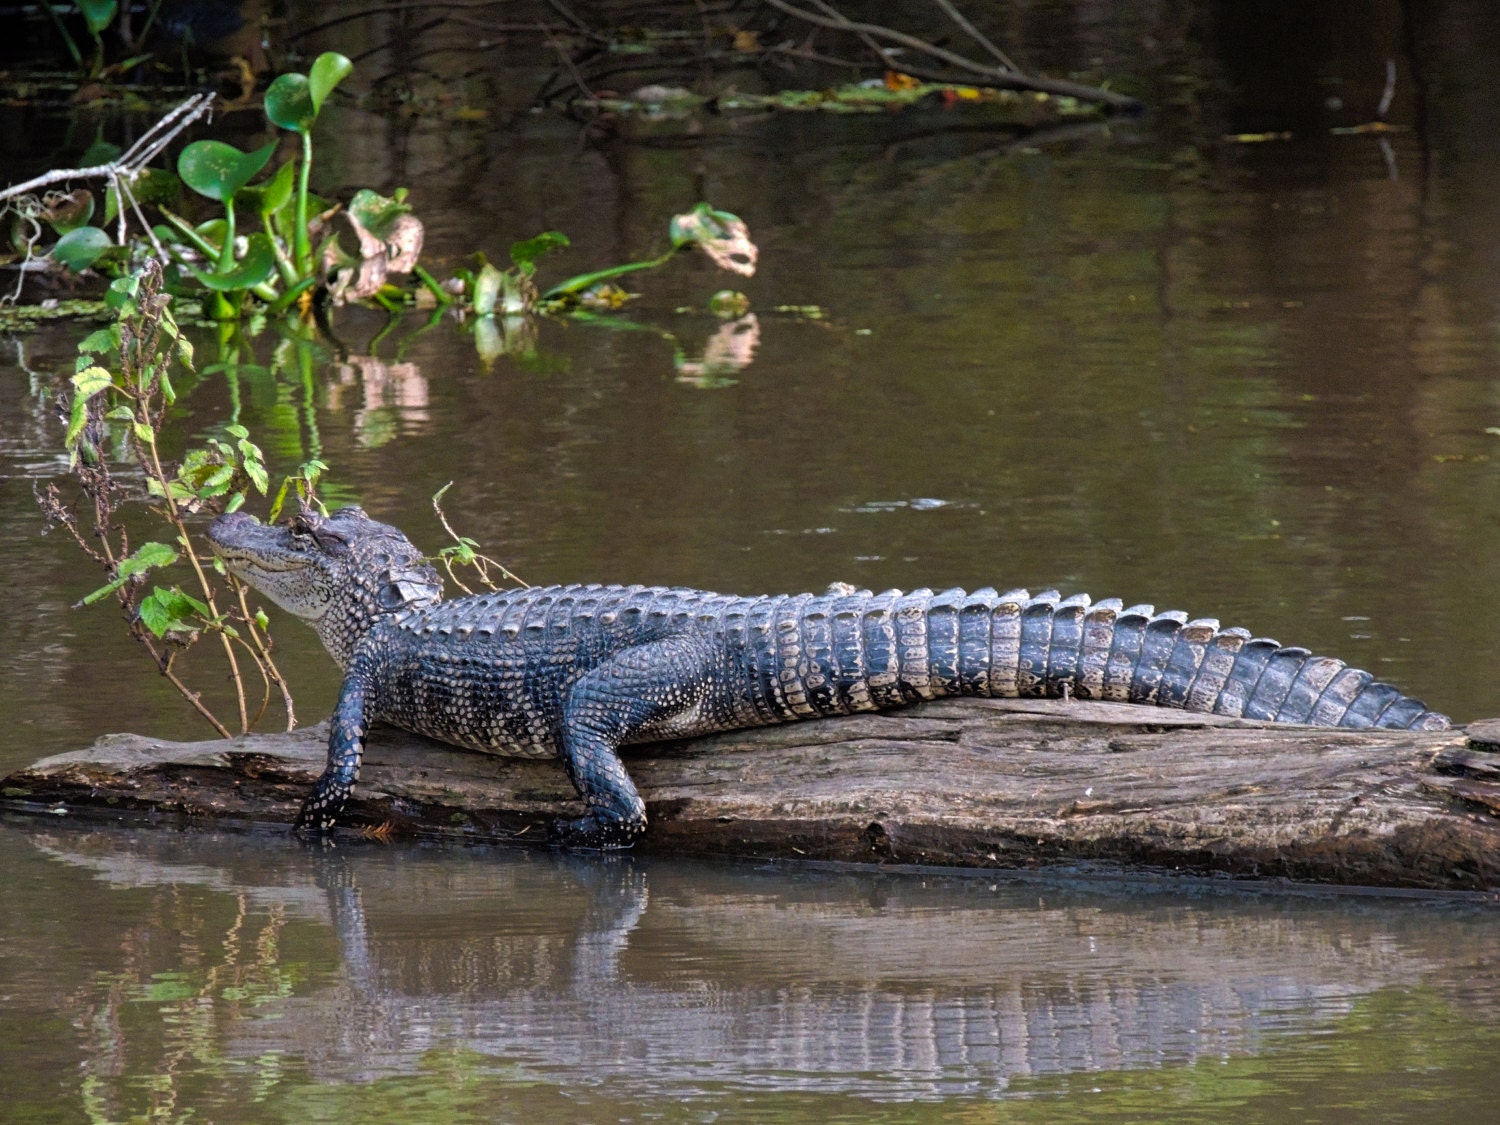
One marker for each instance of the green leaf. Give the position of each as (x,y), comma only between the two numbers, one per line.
(217,482)
(146,557)
(184,350)
(235,430)
(289,103)
(251,270)
(78,418)
(218,170)
(103,340)
(328,70)
(166,611)
(144,434)
(100,152)
(81,248)
(526,253)
(236,502)
(91,380)
(258,476)
(272,195)
(120,296)
(262,620)
(278,501)
(98,14)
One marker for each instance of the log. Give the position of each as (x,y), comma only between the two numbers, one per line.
(1030,784)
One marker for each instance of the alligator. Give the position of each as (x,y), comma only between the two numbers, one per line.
(578,671)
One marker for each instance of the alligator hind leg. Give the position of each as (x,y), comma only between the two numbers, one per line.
(632,690)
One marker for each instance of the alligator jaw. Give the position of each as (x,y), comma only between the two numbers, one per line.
(268,558)
(246,544)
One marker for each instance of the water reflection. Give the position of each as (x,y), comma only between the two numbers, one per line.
(671,980)
(392,397)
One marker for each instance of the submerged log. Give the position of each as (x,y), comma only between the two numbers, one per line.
(971,783)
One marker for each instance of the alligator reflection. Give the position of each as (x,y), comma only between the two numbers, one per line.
(661,977)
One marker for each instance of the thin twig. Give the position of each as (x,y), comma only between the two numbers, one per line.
(269,665)
(981,74)
(975,34)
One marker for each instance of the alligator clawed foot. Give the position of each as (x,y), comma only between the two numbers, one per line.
(595,833)
(314,821)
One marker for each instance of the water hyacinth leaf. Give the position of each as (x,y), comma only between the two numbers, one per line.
(218,170)
(487,288)
(81,248)
(722,236)
(251,270)
(328,70)
(100,152)
(526,253)
(392,223)
(289,103)
(274,194)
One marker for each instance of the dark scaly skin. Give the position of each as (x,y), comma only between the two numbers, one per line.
(578,671)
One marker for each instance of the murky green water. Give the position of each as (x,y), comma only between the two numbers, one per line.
(1244,379)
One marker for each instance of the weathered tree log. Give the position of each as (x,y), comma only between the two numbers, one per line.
(973,783)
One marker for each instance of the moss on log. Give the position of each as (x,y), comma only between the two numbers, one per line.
(971,783)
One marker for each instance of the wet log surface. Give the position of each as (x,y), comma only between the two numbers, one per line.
(972,783)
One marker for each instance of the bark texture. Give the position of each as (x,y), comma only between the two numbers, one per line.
(972,783)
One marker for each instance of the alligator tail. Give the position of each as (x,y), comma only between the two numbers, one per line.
(850,652)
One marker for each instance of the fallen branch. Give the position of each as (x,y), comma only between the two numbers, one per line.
(969,783)
(122,171)
(1006,76)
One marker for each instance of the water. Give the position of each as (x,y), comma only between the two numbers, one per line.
(253,980)
(1249,379)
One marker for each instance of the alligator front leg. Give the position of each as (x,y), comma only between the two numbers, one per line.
(346,747)
(606,708)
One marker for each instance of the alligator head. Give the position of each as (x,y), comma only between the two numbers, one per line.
(340,573)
